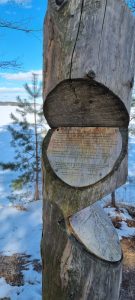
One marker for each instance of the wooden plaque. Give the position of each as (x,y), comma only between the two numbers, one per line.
(83,156)
(93,228)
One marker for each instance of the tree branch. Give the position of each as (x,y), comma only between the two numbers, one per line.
(15,26)
(5,64)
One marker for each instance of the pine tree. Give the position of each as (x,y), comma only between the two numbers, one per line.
(113,202)
(26,139)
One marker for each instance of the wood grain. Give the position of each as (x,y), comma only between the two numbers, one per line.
(84,102)
(93,228)
(83,156)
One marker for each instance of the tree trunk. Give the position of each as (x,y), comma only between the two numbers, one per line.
(36,195)
(113,199)
(88,79)
(70,271)
(89,63)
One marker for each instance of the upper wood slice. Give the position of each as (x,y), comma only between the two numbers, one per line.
(82,103)
(88,63)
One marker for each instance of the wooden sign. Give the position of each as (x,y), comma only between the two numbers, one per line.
(92,227)
(83,156)
(89,63)
(84,103)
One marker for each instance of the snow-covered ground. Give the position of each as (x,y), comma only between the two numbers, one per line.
(122,217)
(5,112)
(21,229)
(21,234)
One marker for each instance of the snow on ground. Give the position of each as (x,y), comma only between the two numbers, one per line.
(5,112)
(29,292)
(21,234)
(20,230)
(123,217)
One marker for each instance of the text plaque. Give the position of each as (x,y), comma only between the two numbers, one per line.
(82,156)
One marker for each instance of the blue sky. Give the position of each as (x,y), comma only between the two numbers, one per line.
(26,47)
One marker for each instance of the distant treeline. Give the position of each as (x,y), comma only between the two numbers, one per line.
(2,103)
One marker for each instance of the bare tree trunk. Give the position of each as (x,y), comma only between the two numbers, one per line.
(88,88)
(87,84)
(113,199)
(36,195)
(70,271)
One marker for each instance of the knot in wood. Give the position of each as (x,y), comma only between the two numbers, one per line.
(59,2)
(91,74)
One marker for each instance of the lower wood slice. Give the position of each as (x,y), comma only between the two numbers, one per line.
(94,229)
(69,271)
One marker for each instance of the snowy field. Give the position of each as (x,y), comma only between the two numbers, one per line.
(20,232)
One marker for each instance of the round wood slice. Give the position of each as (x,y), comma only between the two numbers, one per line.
(83,156)
(93,228)
(84,103)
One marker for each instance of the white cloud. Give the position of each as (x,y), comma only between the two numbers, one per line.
(11,93)
(21,2)
(21,76)
(12,84)
(11,89)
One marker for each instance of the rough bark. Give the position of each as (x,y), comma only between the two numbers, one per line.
(69,271)
(89,63)
(88,78)
(36,194)
(113,199)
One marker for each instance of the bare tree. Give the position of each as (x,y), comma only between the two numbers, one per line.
(113,199)
(4,24)
(11,64)
(16,26)
(26,138)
